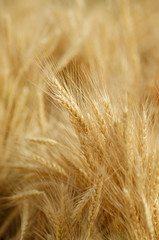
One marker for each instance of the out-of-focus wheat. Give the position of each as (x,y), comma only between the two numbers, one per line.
(79,115)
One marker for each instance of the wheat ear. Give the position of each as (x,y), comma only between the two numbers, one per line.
(77,117)
(95,203)
(83,202)
(68,102)
(42,115)
(26,195)
(148,217)
(45,141)
(25,219)
(49,164)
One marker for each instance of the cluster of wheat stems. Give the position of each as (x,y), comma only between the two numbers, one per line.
(79,120)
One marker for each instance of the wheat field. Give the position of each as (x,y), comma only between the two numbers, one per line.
(79,119)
